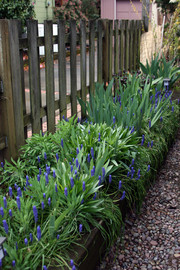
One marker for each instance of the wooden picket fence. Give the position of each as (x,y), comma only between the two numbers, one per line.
(117,48)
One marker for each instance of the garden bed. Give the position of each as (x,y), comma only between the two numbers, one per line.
(61,199)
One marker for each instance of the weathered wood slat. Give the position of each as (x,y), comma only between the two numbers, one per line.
(121,45)
(16,81)
(83,63)
(34,77)
(138,43)
(92,55)
(73,68)
(135,46)
(127,24)
(131,29)
(110,49)
(99,51)
(49,69)
(105,57)
(62,68)
(116,47)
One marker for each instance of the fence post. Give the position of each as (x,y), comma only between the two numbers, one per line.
(11,109)
(145,14)
(105,57)
(110,49)
(122,45)
(139,27)
(99,51)
(127,30)
(91,55)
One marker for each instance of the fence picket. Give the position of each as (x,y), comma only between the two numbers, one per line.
(126,54)
(121,45)
(116,48)
(34,76)
(110,49)
(91,55)
(99,51)
(73,67)
(62,68)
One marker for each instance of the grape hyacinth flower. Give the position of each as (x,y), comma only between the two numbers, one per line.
(40,172)
(92,172)
(2,211)
(38,178)
(45,268)
(49,201)
(16,246)
(120,185)
(19,193)
(89,132)
(77,150)
(99,138)
(5,202)
(27,181)
(10,212)
(46,178)
(151,144)
(172,108)
(35,212)
(74,267)
(45,155)
(5,226)
(142,142)
(128,174)
(5,252)
(95,195)
(123,196)
(44,195)
(77,163)
(88,158)
(103,172)
(2,165)
(65,191)
(75,172)
(18,202)
(48,169)
(10,192)
(81,146)
(148,168)
(26,241)
(71,262)
(58,237)
(161,119)
(92,152)
(54,174)
(114,120)
(72,182)
(110,179)
(13,263)
(56,188)
(82,201)
(80,227)
(38,159)
(84,186)
(148,144)
(31,237)
(42,205)
(57,157)
(132,162)
(38,233)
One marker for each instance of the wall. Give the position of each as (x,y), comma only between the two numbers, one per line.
(43,13)
(108,9)
(127,11)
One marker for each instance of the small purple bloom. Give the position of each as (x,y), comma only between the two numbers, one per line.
(2,211)
(132,130)
(161,119)
(72,182)
(95,195)
(16,246)
(42,205)
(151,144)
(2,164)
(16,186)
(103,172)
(57,157)
(142,142)
(74,267)
(110,179)
(65,191)
(84,186)
(80,227)
(13,263)
(148,144)
(62,144)
(54,174)
(31,237)
(48,169)
(77,163)
(58,237)
(10,212)
(38,233)
(38,159)
(88,158)
(77,150)
(27,181)
(123,196)
(81,146)
(120,184)
(114,120)
(71,262)
(172,109)
(45,268)
(18,202)
(128,174)
(132,163)
(82,201)
(99,180)
(35,212)
(40,172)
(26,241)
(5,202)
(5,226)
(56,188)
(45,155)
(46,178)
(92,152)
(44,195)
(99,138)
(19,193)
(148,168)
(49,201)
(89,132)
(138,173)
(38,178)
(10,191)
(5,252)
(75,172)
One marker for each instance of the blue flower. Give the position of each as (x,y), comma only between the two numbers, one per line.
(99,138)
(56,188)
(148,144)
(42,205)
(26,241)
(148,168)
(65,191)
(71,168)
(46,178)
(74,267)
(49,201)
(81,146)
(132,130)
(142,142)
(5,202)
(10,191)
(110,179)
(95,195)
(92,152)
(77,150)
(161,119)
(71,262)
(27,181)
(92,172)
(132,163)
(45,156)
(2,211)
(99,180)
(114,120)
(54,174)
(38,178)
(16,246)
(123,196)
(103,172)
(57,157)
(84,186)
(72,182)
(10,212)
(62,143)
(58,237)
(0,262)
(18,202)
(5,226)
(31,237)
(44,195)
(151,144)
(77,163)
(38,233)
(40,172)
(13,263)
(45,268)
(172,108)
(2,164)
(80,227)
(88,158)
(35,212)
(38,159)
(19,193)
(120,184)
(48,169)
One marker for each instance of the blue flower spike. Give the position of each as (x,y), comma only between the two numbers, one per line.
(65,191)
(5,202)
(80,228)
(10,192)
(2,211)
(13,263)
(38,233)
(35,212)
(26,241)
(10,212)
(120,185)
(18,201)
(123,196)
(84,186)
(110,179)
(5,225)
(45,268)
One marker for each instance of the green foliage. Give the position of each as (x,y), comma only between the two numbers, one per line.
(17,9)
(89,8)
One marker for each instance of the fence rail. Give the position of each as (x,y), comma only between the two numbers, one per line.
(113,46)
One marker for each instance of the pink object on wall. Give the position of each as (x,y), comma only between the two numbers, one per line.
(108,9)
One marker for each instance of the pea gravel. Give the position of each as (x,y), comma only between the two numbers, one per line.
(152,239)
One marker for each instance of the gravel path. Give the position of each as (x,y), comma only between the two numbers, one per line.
(152,239)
